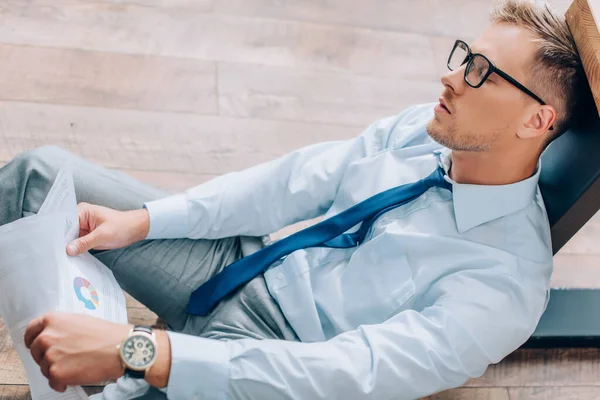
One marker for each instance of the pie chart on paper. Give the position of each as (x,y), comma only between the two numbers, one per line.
(86,293)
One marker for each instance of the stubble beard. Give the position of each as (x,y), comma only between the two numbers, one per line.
(451,138)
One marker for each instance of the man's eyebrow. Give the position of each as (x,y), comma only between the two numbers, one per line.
(475,50)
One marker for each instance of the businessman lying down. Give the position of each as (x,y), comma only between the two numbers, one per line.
(433,259)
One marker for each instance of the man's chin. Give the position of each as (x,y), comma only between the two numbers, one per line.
(449,138)
(438,133)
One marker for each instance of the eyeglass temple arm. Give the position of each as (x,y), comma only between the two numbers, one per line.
(518,85)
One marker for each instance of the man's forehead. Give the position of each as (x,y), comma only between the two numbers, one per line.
(509,47)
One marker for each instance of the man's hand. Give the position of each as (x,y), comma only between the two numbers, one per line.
(102,228)
(76,349)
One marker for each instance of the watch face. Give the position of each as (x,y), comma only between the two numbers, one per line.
(138,352)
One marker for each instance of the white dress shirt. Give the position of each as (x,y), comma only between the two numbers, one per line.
(440,288)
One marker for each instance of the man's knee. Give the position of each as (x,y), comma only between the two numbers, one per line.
(26,179)
(42,156)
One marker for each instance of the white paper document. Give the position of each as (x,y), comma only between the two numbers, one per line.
(37,276)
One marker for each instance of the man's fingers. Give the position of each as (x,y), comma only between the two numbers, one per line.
(34,328)
(38,350)
(85,243)
(45,368)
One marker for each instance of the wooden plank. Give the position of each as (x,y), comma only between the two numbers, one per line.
(459,19)
(197,5)
(441,17)
(131,302)
(14,392)
(172,182)
(91,78)
(543,367)
(576,270)
(152,141)
(254,91)
(11,369)
(555,393)
(180,32)
(471,394)
(582,18)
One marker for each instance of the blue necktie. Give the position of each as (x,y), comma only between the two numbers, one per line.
(327,233)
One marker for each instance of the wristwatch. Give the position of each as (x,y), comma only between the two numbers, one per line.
(138,351)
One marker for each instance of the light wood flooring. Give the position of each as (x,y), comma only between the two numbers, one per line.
(176,92)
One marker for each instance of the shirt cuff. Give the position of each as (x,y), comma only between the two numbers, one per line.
(199,368)
(168,217)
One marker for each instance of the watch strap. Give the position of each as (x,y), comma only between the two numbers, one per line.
(143,328)
(130,373)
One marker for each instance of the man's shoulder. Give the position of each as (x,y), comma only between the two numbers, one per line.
(407,128)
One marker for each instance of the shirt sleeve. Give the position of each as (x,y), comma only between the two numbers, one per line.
(267,197)
(478,318)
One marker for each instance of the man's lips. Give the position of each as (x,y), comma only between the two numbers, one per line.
(444,105)
(440,109)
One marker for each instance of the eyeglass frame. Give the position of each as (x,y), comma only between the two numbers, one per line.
(492,69)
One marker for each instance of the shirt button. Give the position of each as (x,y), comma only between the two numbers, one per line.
(280,275)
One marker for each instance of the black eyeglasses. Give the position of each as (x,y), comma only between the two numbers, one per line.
(479,68)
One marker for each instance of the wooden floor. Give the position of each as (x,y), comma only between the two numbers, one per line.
(175,92)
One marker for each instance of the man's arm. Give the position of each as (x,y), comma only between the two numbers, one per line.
(479,317)
(267,197)
(257,201)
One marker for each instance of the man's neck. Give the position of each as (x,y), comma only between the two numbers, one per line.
(479,168)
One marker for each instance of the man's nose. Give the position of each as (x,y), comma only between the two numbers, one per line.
(454,80)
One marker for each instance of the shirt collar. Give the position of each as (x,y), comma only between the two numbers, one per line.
(477,204)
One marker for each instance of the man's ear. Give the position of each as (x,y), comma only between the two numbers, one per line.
(539,122)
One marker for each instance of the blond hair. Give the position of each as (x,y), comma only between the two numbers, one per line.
(556,74)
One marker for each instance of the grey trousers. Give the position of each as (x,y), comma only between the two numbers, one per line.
(161,274)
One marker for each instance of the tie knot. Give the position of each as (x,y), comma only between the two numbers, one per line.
(437,178)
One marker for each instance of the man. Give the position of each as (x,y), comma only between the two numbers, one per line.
(414,299)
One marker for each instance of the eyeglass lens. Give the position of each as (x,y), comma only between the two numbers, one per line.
(476,69)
